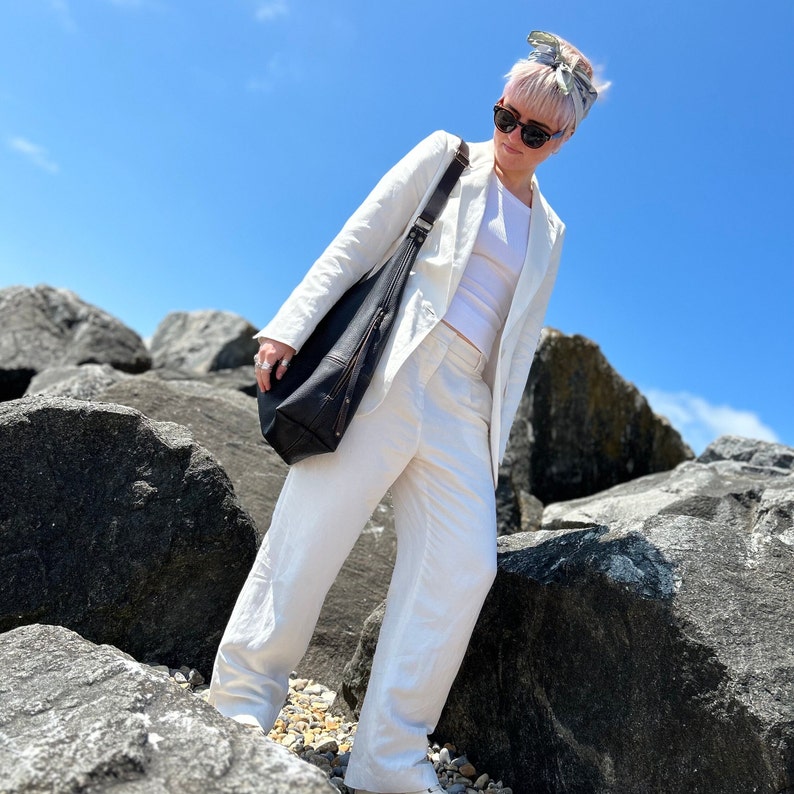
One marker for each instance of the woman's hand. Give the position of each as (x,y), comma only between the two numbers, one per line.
(272,357)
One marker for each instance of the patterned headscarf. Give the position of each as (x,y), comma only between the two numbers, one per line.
(572,81)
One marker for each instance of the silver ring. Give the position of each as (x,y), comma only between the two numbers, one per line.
(285,362)
(265,367)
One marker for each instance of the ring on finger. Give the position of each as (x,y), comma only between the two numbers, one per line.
(285,362)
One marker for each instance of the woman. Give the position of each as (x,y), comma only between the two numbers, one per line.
(432,427)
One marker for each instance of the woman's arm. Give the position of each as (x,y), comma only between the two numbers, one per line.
(363,241)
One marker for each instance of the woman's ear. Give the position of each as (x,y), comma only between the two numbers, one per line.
(562,140)
(565,138)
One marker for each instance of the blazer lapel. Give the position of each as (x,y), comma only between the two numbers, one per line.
(536,262)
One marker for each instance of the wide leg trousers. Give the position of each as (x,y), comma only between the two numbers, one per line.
(428,442)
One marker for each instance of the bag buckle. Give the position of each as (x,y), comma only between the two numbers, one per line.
(424,225)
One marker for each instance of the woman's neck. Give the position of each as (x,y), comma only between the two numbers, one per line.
(519,184)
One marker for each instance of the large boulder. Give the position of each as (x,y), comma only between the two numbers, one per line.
(120,528)
(203,341)
(45,327)
(81,717)
(226,423)
(644,638)
(580,428)
(222,420)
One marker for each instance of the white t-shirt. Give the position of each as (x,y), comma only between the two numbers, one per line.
(481,302)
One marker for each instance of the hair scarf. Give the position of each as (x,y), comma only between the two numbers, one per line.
(571,80)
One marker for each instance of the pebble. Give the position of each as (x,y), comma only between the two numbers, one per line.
(306,727)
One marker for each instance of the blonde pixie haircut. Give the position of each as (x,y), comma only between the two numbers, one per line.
(535,84)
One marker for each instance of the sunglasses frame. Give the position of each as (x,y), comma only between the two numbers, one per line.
(528,126)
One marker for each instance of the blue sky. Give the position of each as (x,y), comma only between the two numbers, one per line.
(161,155)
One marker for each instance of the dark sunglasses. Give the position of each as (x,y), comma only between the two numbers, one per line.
(532,135)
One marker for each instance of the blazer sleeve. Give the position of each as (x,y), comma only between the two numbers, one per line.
(366,238)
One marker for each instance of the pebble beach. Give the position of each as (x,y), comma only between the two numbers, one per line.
(308,726)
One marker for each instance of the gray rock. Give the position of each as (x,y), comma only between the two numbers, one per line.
(227,424)
(240,379)
(750,451)
(237,378)
(203,341)
(83,382)
(45,327)
(644,638)
(516,511)
(120,528)
(355,676)
(581,428)
(81,717)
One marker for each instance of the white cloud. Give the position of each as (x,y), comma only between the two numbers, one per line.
(272,9)
(700,422)
(36,154)
(64,13)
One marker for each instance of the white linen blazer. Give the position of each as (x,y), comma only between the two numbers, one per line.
(375,230)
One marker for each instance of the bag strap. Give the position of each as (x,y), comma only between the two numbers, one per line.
(400,265)
(439,198)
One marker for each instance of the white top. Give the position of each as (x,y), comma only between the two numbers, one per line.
(481,302)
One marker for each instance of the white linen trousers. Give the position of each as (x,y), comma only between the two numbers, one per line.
(428,442)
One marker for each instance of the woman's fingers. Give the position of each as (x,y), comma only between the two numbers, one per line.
(263,368)
(283,366)
(273,358)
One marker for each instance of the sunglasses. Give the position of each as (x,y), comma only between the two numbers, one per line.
(532,135)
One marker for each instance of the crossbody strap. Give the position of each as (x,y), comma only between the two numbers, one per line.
(439,198)
(397,270)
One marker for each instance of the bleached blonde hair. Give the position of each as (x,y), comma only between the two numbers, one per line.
(535,85)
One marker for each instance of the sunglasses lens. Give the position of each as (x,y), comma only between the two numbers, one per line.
(533,137)
(504,120)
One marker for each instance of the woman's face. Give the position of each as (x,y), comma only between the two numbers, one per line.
(510,152)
